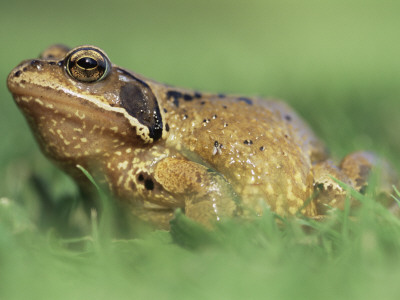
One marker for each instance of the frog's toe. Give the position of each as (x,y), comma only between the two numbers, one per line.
(354,170)
(358,167)
(328,193)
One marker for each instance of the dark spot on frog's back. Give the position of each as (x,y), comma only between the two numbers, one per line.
(197,95)
(140,102)
(149,184)
(246,100)
(35,63)
(187,97)
(175,95)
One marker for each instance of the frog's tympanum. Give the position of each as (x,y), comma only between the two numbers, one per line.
(158,148)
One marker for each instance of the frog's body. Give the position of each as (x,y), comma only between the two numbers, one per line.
(159,148)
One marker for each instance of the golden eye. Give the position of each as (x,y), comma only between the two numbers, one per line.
(87,64)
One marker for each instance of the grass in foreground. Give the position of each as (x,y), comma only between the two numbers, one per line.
(343,257)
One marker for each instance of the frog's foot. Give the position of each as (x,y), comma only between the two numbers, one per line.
(354,170)
(207,196)
(328,192)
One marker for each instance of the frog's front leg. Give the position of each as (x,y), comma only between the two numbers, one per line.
(354,170)
(207,196)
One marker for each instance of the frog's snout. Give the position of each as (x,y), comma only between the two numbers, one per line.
(27,72)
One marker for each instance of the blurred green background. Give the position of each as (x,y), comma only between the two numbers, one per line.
(336,62)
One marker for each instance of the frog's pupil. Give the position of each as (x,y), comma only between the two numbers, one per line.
(87,63)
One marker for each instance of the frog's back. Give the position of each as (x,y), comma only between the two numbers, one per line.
(261,147)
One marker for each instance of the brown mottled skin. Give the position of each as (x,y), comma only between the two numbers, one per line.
(159,148)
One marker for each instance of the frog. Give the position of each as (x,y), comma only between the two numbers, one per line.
(158,148)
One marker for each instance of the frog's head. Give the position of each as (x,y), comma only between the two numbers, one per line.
(78,103)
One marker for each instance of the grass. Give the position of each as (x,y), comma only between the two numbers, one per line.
(336,63)
(338,258)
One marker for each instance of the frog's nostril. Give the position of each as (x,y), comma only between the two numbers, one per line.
(35,63)
(16,74)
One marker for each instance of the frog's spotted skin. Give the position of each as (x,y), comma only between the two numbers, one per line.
(220,132)
(160,148)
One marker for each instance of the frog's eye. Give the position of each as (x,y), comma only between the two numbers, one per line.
(87,64)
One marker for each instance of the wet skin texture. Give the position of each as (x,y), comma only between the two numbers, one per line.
(158,148)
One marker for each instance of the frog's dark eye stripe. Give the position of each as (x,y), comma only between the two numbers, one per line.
(87,64)
(140,102)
